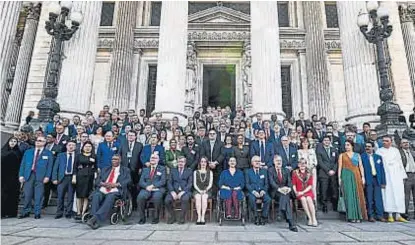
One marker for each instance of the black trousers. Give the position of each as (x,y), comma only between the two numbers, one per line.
(134,188)
(329,189)
(49,187)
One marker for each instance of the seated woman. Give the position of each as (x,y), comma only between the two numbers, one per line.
(309,155)
(302,181)
(231,183)
(202,184)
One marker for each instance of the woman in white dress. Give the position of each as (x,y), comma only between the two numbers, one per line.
(97,138)
(309,154)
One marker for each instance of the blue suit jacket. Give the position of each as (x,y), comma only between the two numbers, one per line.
(293,156)
(269,152)
(146,154)
(159,178)
(179,183)
(59,167)
(104,154)
(255,182)
(43,168)
(50,127)
(380,171)
(256,125)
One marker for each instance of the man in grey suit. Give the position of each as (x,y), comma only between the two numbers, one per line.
(408,160)
(130,152)
(211,148)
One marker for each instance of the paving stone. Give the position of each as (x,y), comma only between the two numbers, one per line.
(379,236)
(13,221)
(330,226)
(160,227)
(116,234)
(214,243)
(216,227)
(182,236)
(316,237)
(380,226)
(408,242)
(52,232)
(366,243)
(55,241)
(50,223)
(7,230)
(11,240)
(125,242)
(249,236)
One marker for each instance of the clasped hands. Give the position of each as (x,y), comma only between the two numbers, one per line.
(259,194)
(212,165)
(45,180)
(109,185)
(284,190)
(177,196)
(229,188)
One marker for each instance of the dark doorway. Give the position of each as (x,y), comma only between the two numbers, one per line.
(219,86)
(151,89)
(287,105)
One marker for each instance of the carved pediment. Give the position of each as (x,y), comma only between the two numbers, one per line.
(219,14)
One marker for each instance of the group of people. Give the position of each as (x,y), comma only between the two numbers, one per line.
(217,154)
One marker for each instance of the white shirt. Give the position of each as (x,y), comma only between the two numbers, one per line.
(114,180)
(372,164)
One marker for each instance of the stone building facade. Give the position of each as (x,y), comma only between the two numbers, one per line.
(173,57)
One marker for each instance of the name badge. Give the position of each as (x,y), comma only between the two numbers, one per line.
(193,152)
(64,142)
(293,156)
(333,154)
(262,176)
(378,161)
(54,152)
(114,148)
(91,159)
(156,152)
(129,154)
(246,143)
(45,157)
(158,173)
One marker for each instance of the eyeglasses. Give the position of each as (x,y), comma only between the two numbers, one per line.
(40,140)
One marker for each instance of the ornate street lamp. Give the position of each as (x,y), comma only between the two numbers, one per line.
(56,26)
(377,19)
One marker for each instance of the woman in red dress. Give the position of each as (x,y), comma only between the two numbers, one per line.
(302,181)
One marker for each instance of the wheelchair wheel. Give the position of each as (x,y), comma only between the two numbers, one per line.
(85,217)
(114,218)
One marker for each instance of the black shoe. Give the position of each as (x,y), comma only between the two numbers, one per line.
(77,217)
(37,216)
(405,216)
(68,216)
(257,221)
(171,221)
(22,216)
(58,216)
(181,222)
(293,228)
(198,223)
(279,218)
(92,222)
(262,221)
(325,209)
(142,221)
(203,223)
(155,221)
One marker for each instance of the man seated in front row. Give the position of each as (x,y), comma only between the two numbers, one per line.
(256,181)
(281,188)
(179,187)
(113,184)
(152,184)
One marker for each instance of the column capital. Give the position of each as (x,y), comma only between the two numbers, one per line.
(406,13)
(33,10)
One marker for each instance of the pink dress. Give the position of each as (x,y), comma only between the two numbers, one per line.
(301,182)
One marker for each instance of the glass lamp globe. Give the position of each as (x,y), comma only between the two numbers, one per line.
(372,5)
(76,17)
(383,12)
(363,20)
(55,8)
(66,4)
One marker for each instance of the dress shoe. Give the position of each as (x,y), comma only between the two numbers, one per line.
(400,219)
(171,221)
(181,222)
(155,221)
(92,222)
(262,221)
(58,216)
(141,221)
(293,228)
(22,216)
(203,223)
(371,219)
(325,209)
(390,219)
(68,216)
(256,221)
(279,218)
(37,216)
(382,219)
(198,223)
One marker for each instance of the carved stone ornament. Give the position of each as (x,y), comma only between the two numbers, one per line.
(246,73)
(191,76)
(405,13)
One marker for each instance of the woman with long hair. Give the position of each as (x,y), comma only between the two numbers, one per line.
(302,181)
(241,152)
(163,139)
(227,151)
(85,168)
(202,184)
(10,165)
(311,140)
(98,137)
(310,156)
(351,181)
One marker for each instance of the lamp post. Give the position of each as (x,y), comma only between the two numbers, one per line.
(378,19)
(56,26)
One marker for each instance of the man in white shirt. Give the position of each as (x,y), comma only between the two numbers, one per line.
(113,184)
(408,161)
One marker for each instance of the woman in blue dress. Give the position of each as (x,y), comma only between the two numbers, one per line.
(227,151)
(231,184)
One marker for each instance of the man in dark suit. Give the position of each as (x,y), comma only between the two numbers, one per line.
(246,141)
(222,132)
(288,153)
(153,186)
(211,148)
(106,150)
(366,131)
(256,182)
(62,177)
(149,150)
(269,133)
(201,136)
(258,124)
(192,152)
(263,149)
(327,157)
(375,180)
(35,171)
(61,138)
(281,188)
(84,139)
(55,149)
(285,130)
(318,132)
(179,187)
(113,184)
(304,123)
(130,152)
(408,161)
(358,144)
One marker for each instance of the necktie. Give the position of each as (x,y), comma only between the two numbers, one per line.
(287,153)
(256,172)
(328,151)
(69,164)
(180,172)
(111,178)
(58,138)
(152,172)
(279,175)
(35,160)
(262,152)
(131,147)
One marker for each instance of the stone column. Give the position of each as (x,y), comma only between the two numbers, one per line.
(122,60)
(408,32)
(303,81)
(9,17)
(171,66)
(266,63)
(78,66)
(317,70)
(247,76)
(191,78)
(359,66)
(12,118)
(399,78)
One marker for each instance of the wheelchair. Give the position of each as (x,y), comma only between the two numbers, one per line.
(122,209)
(221,207)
